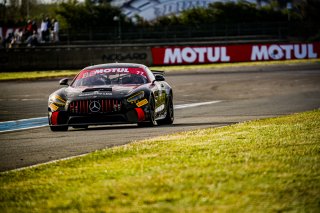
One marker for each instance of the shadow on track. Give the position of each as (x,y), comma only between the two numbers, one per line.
(133,126)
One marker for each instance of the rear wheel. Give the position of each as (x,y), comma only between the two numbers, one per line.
(152,120)
(170,113)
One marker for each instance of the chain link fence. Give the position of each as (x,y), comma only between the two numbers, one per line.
(125,34)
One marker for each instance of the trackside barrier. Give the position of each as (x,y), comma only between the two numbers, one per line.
(175,55)
(50,58)
(77,57)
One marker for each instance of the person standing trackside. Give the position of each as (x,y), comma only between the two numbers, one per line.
(55,31)
(44,29)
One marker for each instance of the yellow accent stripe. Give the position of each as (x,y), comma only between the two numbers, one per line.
(53,107)
(60,99)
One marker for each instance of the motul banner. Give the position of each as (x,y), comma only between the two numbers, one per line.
(234,53)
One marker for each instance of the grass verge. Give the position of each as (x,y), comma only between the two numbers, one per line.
(32,75)
(269,165)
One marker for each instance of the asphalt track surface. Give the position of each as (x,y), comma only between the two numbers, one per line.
(237,93)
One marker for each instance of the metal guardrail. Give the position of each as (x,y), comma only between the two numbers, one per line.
(176,33)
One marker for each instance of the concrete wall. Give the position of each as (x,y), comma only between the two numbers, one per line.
(76,57)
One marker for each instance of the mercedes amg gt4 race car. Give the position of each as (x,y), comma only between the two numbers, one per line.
(117,93)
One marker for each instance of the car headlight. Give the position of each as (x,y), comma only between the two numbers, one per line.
(57,100)
(136,97)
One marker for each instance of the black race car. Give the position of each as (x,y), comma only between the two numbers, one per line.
(116,93)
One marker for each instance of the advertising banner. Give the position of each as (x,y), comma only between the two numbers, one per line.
(234,53)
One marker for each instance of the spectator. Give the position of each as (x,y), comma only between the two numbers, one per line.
(45,30)
(7,42)
(28,30)
(18,36)
(33,40)
(55,31)
(1,34)
(49,26)
(34,26)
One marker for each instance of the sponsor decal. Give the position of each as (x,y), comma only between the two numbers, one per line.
(97,93)
(105,71)
(199,54)
(142,103)
(234,53)
(123,57)
(111,71)
(288,51)
(136,97)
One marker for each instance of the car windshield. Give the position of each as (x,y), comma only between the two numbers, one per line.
(110,76)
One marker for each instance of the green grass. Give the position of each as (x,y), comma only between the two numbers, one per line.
(32,75)
(5,76)
(270,165)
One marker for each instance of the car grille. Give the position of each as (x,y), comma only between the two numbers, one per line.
(95,106)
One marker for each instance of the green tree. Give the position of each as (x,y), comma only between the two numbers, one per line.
(77,16)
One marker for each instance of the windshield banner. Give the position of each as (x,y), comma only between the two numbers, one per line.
(112,71)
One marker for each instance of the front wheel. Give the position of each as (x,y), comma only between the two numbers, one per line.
(80,127)
(58,128)
(54,127)
(152,120)
(170,114)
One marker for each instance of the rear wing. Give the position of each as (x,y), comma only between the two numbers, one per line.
(158,72)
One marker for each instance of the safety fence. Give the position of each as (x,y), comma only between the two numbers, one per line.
(125,34)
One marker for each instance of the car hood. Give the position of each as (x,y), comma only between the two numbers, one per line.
(114,91)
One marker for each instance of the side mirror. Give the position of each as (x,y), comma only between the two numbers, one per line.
(160,78)
(64,81)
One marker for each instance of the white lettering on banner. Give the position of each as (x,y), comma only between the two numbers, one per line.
(277,52)
(213,57)
(224,56)
(196,54)
(201,52)
(311,53)
(113,70)
(189,55)
(172,57)
(303,52)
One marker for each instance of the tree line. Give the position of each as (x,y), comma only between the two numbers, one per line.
(89,15)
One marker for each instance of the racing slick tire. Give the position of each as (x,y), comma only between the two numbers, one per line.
(170,114)
(152,121)
(58,128)
(80,127)
(54,128)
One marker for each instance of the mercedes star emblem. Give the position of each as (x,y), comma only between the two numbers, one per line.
(94,106)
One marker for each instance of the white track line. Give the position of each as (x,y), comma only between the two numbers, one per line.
(182,106)
(32,123)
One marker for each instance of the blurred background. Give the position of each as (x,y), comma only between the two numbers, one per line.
(107,21)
